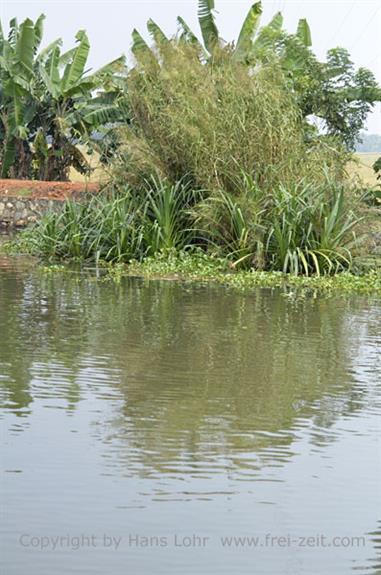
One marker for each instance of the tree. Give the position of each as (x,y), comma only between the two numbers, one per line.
(49,102)
(16,79)
(333,91)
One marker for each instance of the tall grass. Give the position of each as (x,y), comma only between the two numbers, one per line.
(213,121)
(310,229)
(301,229)
(120,227)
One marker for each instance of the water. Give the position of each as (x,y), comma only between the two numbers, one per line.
(146,425)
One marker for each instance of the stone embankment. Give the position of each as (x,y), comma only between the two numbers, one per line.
(23,202)
(19,212)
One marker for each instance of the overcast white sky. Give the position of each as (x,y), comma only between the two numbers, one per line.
(355,25)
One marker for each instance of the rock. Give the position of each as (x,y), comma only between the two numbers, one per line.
(17,212)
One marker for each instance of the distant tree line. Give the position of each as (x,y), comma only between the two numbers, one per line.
(370,143)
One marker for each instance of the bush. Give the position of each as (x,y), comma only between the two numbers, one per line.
(214,156)
(310,229)
(213,121)
(120,227)
(302,228)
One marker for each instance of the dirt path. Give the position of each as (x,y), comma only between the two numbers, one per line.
(36,189)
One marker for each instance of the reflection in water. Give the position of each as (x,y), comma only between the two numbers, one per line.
(375,562)
(196,397)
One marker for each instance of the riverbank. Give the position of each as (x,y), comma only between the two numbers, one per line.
(200,268)
(206,269)
(24,202)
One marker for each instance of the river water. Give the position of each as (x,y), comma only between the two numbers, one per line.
(166,428)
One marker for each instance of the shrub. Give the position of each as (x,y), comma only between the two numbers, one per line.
(310,229)
(302,228)
(213,121)
(122,226)
(108,228)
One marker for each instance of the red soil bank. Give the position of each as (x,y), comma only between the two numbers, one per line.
(33,189)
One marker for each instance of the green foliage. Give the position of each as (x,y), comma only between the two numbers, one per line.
(167,221)
(139,45)
(212,122)
(303,33)
(104,228)
(50,91)
(41,156)
(234,225)
(47,102)
(247,34)
(305,229)
(345,96)
(310,230)
(16,76)
(333,91)
(198,266)
(217,150)
(119,227)
(207,24)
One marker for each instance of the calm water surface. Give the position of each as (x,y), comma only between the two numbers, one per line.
(159,428)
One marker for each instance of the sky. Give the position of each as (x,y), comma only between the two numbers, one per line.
(355,25)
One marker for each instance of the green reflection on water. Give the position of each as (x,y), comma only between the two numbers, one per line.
(202,382)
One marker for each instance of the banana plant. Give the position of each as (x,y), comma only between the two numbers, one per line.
(73,109)
(50,96)
(253,43)
(16,79)
(208,25)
